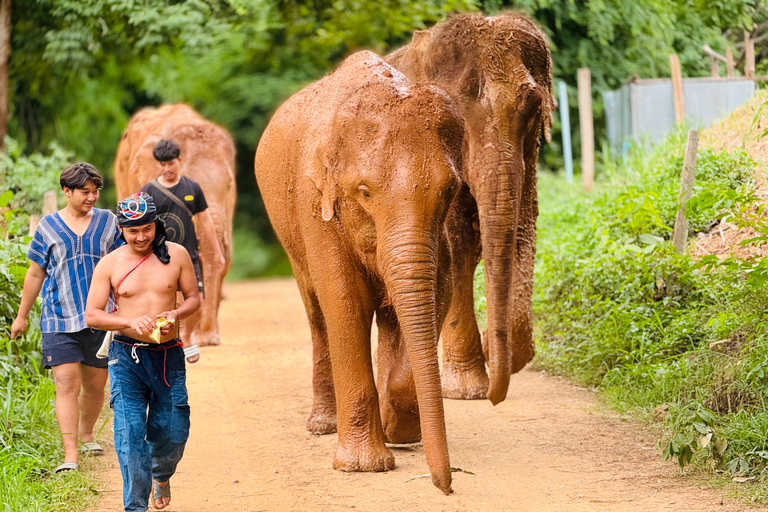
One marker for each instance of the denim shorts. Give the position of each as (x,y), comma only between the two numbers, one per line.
(73,347)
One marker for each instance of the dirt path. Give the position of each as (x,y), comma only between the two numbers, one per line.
(544,449)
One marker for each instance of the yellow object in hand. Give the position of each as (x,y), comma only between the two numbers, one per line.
(161,322)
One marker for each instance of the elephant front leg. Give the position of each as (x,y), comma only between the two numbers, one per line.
(361,439)
(464,375)
(397,391)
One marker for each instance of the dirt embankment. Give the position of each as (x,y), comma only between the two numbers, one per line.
(546,449)
(745,129)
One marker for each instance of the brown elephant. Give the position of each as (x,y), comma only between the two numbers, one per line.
(208,157)
(499,71)
(357,172)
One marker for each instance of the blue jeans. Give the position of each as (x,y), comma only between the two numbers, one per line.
(149,399)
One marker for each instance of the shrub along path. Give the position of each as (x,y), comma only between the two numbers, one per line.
(547,448)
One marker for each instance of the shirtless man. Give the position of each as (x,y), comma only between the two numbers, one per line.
(147,379)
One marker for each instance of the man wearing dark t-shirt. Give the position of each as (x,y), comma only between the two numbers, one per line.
(178,200)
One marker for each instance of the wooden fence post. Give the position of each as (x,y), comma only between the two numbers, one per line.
(728,62)
(586,125)
(680,233)
(50,205)
(749,55)
(34,220)
(50,202)
(677,87)
(714,69)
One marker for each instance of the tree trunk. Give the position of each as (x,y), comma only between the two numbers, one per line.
(5,53)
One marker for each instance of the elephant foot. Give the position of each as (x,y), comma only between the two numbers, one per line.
(400,421)
(205,338)
(363,458)
(464,384)
(521,356)
(321,422)
(401,430)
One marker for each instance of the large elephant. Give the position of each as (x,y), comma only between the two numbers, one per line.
(208,157)
(499,72)
(357,172)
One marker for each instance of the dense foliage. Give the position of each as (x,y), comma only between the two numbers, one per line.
(80,68)
(29,438)
(679,341)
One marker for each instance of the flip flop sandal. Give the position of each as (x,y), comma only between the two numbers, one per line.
(190,352)
(158,492)
(67,466)
(92,448)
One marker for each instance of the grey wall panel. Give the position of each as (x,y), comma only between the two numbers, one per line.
(645,111)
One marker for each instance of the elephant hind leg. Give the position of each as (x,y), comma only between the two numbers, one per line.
(397,391)
(322,419)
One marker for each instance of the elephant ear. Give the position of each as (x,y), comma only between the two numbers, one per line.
(321,173)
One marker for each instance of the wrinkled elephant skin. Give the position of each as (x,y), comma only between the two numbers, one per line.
(208,157)
(499,72)
(357,171)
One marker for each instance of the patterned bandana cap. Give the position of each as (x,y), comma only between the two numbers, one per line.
(136,210)
(139,210)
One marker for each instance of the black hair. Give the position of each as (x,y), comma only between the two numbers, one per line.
(166,150)
(77,175)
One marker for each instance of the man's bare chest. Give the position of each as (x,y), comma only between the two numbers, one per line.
(149,278)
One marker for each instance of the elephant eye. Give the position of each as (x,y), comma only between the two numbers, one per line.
(366,193)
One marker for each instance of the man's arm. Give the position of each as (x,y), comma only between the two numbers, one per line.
(188,286)
(33,283)
(98,297)
(206,223)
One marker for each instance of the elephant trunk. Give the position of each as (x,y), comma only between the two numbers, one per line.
(498,203)
(498,248)
(410,274)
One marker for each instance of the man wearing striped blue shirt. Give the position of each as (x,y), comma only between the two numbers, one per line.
(66,247)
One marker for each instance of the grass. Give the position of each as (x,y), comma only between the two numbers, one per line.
(30,447)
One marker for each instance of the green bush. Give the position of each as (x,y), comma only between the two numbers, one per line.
(27,178)
(253,258)
(617,309)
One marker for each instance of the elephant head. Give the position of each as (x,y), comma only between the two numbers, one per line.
(498,70)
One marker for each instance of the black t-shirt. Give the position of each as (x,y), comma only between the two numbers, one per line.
(178,223)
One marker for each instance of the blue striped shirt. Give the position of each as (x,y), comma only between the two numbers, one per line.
(68,261)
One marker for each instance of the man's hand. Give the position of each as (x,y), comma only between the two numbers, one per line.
(173,316)
(143,325)
(18,327)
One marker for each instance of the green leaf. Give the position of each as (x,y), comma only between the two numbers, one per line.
(5,198)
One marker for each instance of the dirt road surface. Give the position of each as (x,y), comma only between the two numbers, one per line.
(545,449)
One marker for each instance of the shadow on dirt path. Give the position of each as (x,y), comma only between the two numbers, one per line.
(544,449)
